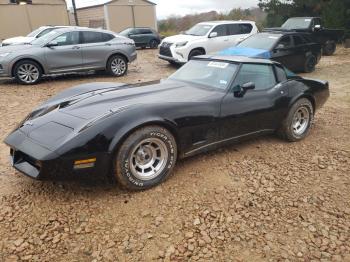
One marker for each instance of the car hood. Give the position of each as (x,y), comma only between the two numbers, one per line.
(14,48)
(94,104)
(181,38)
(18,40)
(244,51)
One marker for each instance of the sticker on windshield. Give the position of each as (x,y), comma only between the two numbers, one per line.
(308,20)
(223,82)
(218,65)
(273,37)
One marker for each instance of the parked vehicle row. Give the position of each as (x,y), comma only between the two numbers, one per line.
(143,36)
(67,50)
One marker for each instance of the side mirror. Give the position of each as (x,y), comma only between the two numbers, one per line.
(280,47)
(248,86)
(213,34)
(52,44)
(317,27)
(241,90)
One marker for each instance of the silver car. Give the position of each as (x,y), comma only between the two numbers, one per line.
(67,50)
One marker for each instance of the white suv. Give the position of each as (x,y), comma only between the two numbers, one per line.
(205,38)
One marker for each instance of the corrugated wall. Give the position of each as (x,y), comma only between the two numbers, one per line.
(19,20)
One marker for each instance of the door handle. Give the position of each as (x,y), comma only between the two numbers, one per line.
(76,47)
(108,44)
(226,40)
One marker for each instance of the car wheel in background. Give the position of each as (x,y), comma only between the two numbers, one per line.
(153,44)
(298,122)
(117,65)
(310,63)
(195,52)
(146,158)
(28,72)
(329,48)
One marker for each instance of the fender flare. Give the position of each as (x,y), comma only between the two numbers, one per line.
(124,132)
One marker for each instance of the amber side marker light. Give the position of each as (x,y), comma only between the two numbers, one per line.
(87,163)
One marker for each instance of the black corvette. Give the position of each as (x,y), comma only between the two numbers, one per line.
(137,132)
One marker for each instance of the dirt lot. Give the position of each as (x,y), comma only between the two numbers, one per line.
(260,200)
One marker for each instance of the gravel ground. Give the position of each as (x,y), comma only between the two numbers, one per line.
(263,200)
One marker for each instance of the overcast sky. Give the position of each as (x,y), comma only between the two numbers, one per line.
(166,8)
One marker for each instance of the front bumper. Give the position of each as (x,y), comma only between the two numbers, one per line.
(171,59)
(34,160)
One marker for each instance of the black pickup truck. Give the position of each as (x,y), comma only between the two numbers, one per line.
(328,38)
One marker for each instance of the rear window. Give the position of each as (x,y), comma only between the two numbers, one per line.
(281,74)
(95,37)
(239,29)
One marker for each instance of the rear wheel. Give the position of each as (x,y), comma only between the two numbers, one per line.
(310,63)
(117,65)
(153,44)
(27,72)
(298,122)
(195,52)
(146,158)
(329,48)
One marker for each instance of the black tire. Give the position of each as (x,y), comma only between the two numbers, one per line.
(287,130)
(153,44)
(195,52)
(30,68)
(112,65)
(329,48)
(135,155)
(310,63)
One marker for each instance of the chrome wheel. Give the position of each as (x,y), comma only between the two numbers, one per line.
(118,66)
(28,73)
(301,121)
(148,159)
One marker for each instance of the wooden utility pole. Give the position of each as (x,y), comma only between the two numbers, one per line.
(75,13)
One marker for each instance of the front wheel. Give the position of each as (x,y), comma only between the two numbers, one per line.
(298,122)
(117,65)
(28,72)
(146,158)
(196,52)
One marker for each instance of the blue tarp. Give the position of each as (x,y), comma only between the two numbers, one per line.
(244,51)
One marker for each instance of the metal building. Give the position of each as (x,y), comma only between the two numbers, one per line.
(20,17)
(116,15)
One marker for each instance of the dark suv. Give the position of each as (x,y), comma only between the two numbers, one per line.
(143,36)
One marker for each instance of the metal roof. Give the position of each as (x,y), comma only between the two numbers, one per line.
(108,2)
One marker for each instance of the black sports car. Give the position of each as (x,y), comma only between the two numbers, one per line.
(296,51)
(137,132)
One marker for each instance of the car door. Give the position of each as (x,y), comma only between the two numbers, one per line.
(258,110)
(64,53)
(283,52)
(96,47)
(221,41)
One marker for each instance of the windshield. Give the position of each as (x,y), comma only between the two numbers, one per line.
(297,23)
(199,30)
(214,74)
(44,39)
(261,41)
(35,32)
